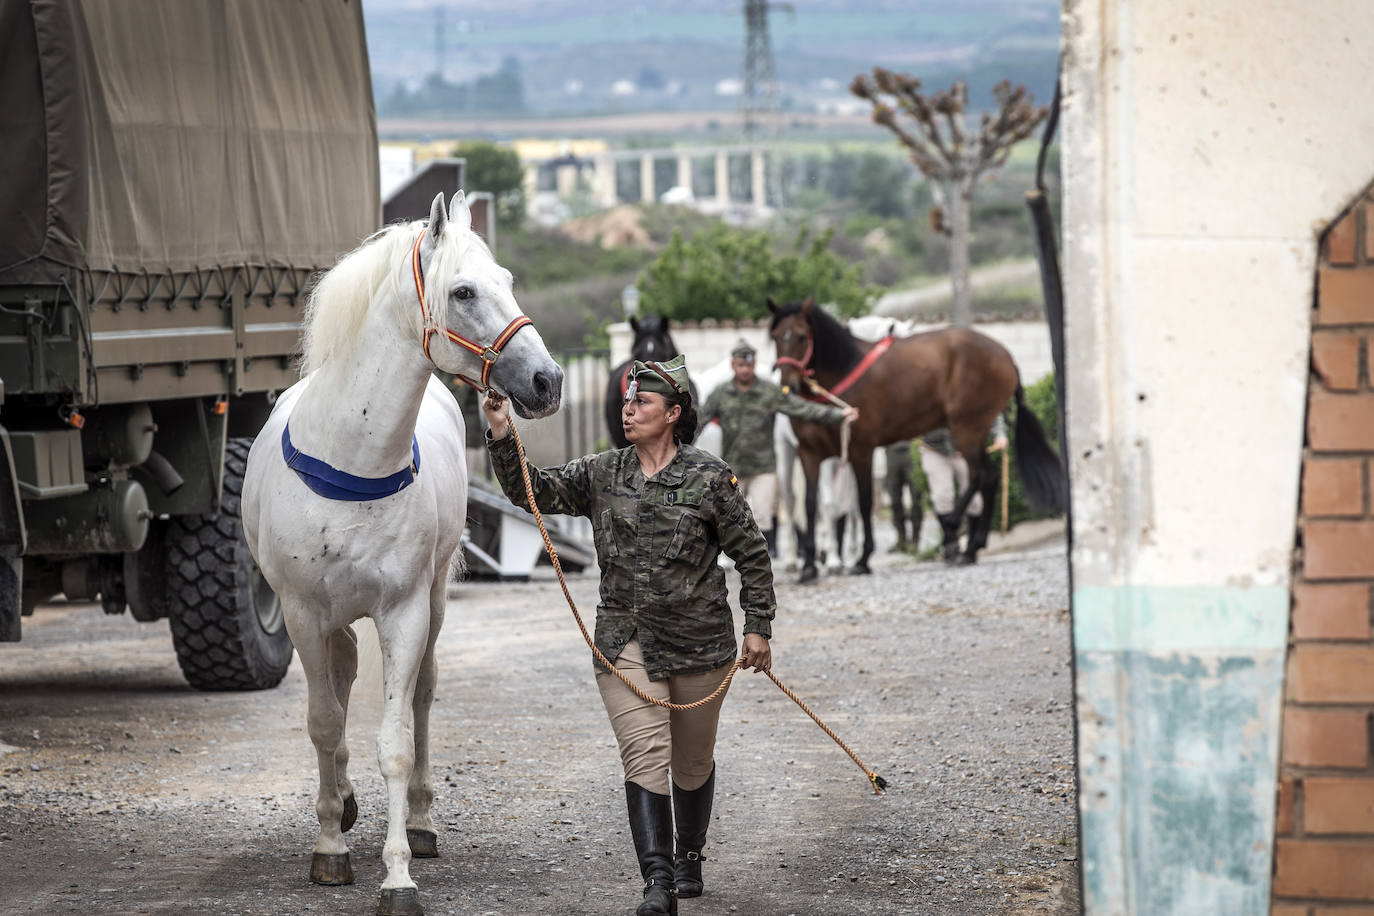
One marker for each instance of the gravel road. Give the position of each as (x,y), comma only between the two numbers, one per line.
(123,791)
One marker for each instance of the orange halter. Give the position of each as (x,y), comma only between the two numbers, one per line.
(488,355)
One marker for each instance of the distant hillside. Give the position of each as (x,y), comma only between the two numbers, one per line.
(586,56)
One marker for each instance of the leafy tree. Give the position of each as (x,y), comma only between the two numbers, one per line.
(496,169)
(729,273)
(948,152)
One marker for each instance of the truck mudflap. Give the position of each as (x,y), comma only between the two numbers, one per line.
(13,540)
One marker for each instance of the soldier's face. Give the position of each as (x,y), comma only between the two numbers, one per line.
(744,370)
(647,417)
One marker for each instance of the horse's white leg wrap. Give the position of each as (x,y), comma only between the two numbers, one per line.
(403,631)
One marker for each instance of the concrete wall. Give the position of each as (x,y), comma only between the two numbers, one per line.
(1204,147)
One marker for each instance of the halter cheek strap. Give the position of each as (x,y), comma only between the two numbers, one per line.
(488,355)
(804,364)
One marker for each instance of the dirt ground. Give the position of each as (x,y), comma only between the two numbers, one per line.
(124,791)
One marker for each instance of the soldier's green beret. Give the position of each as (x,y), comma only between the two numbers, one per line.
(743,350)
(668,377)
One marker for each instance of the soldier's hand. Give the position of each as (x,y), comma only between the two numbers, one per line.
(851,414)
(998,444)
(757,653)
(497,411)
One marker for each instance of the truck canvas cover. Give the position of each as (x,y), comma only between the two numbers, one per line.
(163,136)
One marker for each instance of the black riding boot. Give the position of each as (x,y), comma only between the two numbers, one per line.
(949,524)
(692,811)
(651,825)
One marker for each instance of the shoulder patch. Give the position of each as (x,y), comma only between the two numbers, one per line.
(734,481)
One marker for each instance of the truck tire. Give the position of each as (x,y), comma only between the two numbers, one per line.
(227,623)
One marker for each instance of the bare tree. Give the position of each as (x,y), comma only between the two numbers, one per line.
(949,153)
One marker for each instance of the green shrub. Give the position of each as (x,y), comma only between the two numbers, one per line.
(729,273)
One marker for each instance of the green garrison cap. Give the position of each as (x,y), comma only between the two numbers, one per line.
(743,350)
(652,376)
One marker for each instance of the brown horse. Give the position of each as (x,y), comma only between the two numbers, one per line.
(905,388)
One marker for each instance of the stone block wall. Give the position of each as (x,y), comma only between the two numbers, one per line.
(1324,844)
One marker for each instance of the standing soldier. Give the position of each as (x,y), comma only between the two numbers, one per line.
(661,512)
(745,408)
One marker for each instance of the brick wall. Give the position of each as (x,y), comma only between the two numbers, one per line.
(1324,843)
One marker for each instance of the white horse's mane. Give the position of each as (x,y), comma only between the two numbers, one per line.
(341,299)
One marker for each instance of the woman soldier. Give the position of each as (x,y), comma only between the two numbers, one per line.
(661,511)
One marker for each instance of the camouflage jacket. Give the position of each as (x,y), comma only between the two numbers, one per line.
(657,541)
(746,422)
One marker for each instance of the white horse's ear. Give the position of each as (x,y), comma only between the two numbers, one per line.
(438,216)
(459,212)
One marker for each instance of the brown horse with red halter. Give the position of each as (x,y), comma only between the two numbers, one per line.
(904,388)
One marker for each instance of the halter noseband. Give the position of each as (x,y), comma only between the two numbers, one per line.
(804,364)
(488,355)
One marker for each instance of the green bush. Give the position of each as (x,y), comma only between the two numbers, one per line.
(729,273)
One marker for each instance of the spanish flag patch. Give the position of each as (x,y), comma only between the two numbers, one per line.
(734,481)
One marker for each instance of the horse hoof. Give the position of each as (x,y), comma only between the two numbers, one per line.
(423,844)
(331,868)
(350,813)
(808,574)
(400,901)
(859,569)
(962,559)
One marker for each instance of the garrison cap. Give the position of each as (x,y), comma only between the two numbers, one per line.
(668,377)
(743,350)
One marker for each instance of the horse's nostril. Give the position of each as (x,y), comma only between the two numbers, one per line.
(547,386)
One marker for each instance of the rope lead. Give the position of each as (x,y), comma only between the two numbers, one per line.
(878,783)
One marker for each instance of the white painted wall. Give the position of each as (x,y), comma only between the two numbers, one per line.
(1206,145)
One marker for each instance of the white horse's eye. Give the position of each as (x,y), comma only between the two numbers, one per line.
(464,292)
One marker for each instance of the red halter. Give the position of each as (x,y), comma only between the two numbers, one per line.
(488,355)
(804,364)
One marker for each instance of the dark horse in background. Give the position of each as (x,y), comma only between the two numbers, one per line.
(652,341)
(953,377)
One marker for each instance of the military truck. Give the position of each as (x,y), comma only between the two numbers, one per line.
(172,174)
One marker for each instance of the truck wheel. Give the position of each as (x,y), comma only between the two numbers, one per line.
(227,623)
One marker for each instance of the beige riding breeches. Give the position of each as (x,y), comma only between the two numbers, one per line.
(654,740)
(947,477)
(761,490)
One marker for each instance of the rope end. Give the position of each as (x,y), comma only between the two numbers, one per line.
(879,784)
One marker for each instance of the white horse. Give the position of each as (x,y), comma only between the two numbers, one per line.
(355,496)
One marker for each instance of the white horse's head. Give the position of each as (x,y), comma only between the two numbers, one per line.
(473,323)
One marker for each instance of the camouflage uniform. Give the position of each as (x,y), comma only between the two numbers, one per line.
(657,541)
(746,422)
(664,622)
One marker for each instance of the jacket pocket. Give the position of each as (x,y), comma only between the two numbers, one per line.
(690,540)
(606,544)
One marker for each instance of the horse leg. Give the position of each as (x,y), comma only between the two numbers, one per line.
(811,467)
(862,462)
(420,833)
(343,666)
(325,722)
(981,523)
(403,631)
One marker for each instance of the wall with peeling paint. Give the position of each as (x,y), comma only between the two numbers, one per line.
(1204,147)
